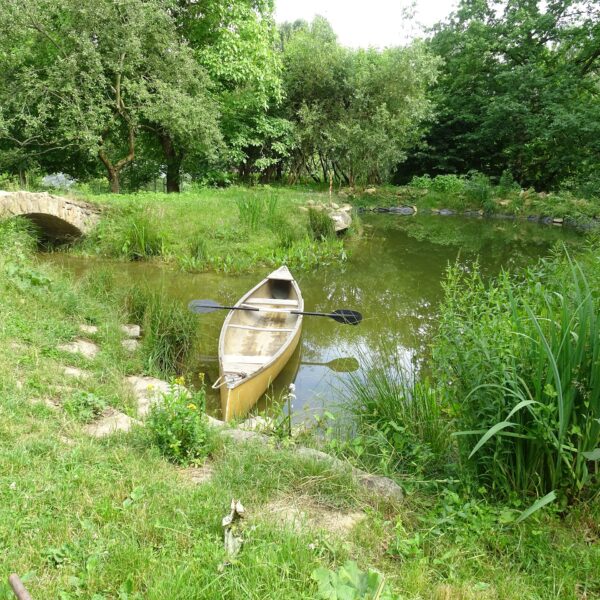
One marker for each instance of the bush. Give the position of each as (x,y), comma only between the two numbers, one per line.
(320,225)
(423,182)
(450,184)
(479,190)
(179,428)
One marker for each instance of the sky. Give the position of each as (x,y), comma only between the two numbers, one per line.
(363,23)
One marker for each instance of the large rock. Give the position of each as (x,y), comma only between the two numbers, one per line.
(80,346)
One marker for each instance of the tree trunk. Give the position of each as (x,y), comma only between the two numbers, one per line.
(173,160)
(114,170)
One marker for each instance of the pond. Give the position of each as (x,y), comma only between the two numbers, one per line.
(393,277)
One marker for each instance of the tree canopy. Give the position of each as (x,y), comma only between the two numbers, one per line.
(138,89)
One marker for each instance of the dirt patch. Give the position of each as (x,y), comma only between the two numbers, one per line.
(305,513)
(198,475)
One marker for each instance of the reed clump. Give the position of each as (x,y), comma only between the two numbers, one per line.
(522,359)
(169,335)
(320,225)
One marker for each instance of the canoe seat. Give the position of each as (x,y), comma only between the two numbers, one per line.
(272,301)
(245,359)
(253,328)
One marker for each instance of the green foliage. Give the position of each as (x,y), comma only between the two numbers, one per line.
(350,583)
(522,360)
(83,406)
(398,423)
(169,333)
(179,428)
(320,225)
(479,191)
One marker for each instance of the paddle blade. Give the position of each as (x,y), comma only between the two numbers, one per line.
(347,317)
(203,306)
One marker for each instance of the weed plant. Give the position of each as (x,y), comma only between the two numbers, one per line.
(179,428)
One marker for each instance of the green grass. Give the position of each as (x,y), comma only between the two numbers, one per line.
(112,518)
(229,230)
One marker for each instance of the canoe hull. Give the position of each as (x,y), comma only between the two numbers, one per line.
(238,401)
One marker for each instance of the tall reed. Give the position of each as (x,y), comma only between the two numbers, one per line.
(397,420)
(523,357)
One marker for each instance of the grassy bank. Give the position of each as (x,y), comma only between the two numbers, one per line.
(477,194)
(113,518)
(228,230)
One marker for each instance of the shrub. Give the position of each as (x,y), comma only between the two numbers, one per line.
(179,428)
(450,184)
(423,182)
(320,225)
(479,190)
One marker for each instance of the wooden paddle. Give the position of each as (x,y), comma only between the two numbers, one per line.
(343,315)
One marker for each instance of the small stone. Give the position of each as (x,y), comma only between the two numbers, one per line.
(347,208)
(148,390)
(79,346)
(111,421)
(76,373)
(446,212)
(558,221)
(335,206)
(130,345)
(370,190)
(88,329)
(131,331)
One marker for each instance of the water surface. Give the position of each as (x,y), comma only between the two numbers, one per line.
(393,277)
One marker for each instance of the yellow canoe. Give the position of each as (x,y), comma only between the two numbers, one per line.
(254,346)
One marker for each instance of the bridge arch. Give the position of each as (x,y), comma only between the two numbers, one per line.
(59,219)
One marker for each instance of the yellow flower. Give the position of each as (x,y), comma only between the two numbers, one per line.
(201,378)
(192,406)
(180,380)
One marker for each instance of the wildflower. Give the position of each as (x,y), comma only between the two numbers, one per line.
(192,406)
(201,378)
(180,380)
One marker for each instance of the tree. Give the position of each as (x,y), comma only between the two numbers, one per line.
(87,75)
(519,90)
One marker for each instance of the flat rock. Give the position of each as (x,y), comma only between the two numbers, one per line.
(148,390)
(403,210)
(110,422)
(130,344)
(80,346)
(304,513)
(76,373)
(88,329)
(257,424)
(131,331)
(446,212)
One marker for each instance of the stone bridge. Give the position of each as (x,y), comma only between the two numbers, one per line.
(59,219)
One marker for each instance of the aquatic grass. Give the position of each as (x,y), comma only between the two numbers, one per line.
(169,334)
(397,421)
(523,358)
(320,225)
(251,211)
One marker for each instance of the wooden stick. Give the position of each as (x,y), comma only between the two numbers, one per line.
(18,588)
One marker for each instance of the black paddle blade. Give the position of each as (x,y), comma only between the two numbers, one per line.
(347,317)
(203,306)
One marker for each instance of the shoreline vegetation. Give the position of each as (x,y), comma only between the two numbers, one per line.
(113,510)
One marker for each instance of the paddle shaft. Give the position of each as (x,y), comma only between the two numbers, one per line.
(290,311)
